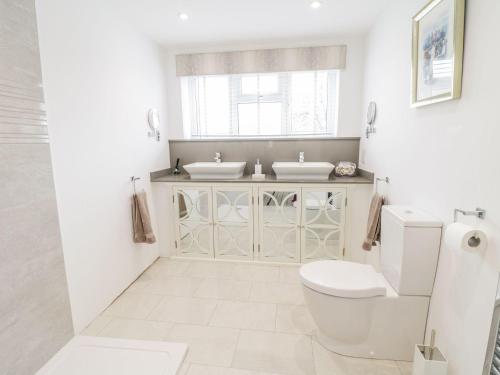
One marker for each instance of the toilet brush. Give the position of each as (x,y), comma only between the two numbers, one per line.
(428,360)
(429,350)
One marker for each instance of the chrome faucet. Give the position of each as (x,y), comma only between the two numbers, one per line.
(301,157)
(218,157)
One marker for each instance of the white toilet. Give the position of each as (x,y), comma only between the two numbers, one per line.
(363,313)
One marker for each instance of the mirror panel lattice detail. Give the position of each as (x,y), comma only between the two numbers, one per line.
(323,218)
(233,223)
(194,225)
(279,222)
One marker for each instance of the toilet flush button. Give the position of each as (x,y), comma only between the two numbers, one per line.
(409,212)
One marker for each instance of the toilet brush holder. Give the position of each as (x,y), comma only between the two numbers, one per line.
(428,360)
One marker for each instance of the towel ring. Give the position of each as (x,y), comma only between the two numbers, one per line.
(377,180)
(133,179)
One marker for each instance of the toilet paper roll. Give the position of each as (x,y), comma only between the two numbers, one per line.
(462,236)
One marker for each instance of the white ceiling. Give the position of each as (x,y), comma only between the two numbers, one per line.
(223,21)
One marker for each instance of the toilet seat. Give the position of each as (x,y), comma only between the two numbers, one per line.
(343,279)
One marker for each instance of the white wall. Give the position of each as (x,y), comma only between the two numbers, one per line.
(350,89)
(100,78)
(441,157)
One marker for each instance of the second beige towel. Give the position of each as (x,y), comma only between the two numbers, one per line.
(374,222)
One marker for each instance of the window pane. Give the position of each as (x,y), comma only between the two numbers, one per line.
(321,112)
(309,102)
(268,84)
(215,106)
(249,85)
(248,119)
(259,119)
(262,84)
(270,118)
(302,102)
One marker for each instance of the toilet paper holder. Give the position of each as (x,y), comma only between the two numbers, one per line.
(478,212)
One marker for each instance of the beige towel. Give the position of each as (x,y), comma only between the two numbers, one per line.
(182,206)
(374,222)
(143,231)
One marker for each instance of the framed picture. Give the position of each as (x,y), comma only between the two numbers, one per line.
(438,43)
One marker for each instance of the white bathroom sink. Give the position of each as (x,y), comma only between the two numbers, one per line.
(302,171)
(215,171)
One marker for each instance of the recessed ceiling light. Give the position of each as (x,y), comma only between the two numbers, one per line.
(315,4)
(183,16)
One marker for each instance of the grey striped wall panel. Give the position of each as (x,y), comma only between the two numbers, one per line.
(35,313)
(22,111)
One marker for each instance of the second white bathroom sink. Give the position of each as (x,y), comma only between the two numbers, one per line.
(302,171)
(215,171)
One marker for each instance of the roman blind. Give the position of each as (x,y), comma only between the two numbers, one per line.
(262,61)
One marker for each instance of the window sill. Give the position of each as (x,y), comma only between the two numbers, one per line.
(273,138)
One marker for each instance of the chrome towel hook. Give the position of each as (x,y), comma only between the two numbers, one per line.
(377,180)
(133,179)
(478,212)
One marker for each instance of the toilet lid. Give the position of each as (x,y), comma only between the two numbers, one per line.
(343,279)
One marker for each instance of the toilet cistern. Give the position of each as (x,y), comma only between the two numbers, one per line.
(218,157)
(301,157)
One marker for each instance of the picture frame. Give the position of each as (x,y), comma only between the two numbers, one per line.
(437,52)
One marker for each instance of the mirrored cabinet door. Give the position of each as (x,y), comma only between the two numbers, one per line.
(323,219)
(233,234)
(279,220)
(194,224)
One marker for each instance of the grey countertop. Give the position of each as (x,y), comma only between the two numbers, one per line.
(167,176)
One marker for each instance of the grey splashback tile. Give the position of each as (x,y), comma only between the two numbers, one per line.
(332,150)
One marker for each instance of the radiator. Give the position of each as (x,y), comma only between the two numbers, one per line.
(492,362)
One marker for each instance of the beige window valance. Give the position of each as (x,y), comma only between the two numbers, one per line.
(262,61)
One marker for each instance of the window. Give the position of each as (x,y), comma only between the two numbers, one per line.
(249,105)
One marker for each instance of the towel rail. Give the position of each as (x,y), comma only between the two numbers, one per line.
(378,179)
(133,179)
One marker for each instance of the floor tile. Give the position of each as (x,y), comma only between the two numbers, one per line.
(290,274)
(294,319)
(140,285)
(224,289)
(134,306)
(184,368)
(184,310)
(207,345)
(136,329)
(97,325)
(256,272)
(211,269)
(180,286)
(274,352)
(328,363)
(282,293)
(247,315)
(405,368)
(211,370)
(164,267)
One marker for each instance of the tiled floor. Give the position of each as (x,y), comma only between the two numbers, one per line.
(238,319)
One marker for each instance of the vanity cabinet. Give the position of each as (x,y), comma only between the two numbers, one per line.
(268,222)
